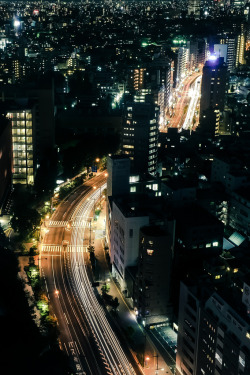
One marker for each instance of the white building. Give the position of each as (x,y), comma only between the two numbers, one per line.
(124,225)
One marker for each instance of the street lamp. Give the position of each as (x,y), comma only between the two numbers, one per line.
(146,361)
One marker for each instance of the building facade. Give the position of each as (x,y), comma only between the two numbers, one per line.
(153,282)
(213,335)
(140,136)
(22,123)
(5,161)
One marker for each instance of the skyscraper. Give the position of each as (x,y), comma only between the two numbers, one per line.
(22,121)
(213,89)
(213,332)
(140,136)
(5,161)
(229,39)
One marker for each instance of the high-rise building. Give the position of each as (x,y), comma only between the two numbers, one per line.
(241,44)
(213,332)
(213,90)
(220,50)
(140,136)
(157,82)
(229,39)
(118,168)
(22,122)
(214,84)
(136,79)
(124,225)
(39,103)
(5,161)
(180,64)
(152,287)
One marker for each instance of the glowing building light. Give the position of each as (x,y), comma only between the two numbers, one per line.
(17,23)
(212,58)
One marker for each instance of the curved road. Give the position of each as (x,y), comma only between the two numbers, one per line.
(85,333)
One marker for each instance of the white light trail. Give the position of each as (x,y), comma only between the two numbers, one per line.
(113,356)
(194,93)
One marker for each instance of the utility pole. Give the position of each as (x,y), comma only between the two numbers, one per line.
(157,357)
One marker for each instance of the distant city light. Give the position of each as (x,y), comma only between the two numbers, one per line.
(17,23)
(212,58)
(59,182)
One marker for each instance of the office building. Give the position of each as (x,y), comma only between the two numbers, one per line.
(123,227)
(5,161)
(214,84)
(136,79)
(157,79)
(140,136)
(153,281)
(22,123)
(229,39)
(180,64)
(213,331)
(118,168)
(213,90)
(241,45)
(32,113)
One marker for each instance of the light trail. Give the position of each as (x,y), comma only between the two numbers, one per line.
(195,95)
(113,356)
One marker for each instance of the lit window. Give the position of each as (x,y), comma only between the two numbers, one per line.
(133,189)
(150,252)
(218,357)
(133,178)
(208,245)
(242,361)
(216,243)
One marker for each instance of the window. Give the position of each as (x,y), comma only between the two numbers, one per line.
(218,357)
(242,361)
(150,252)
(133,189)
